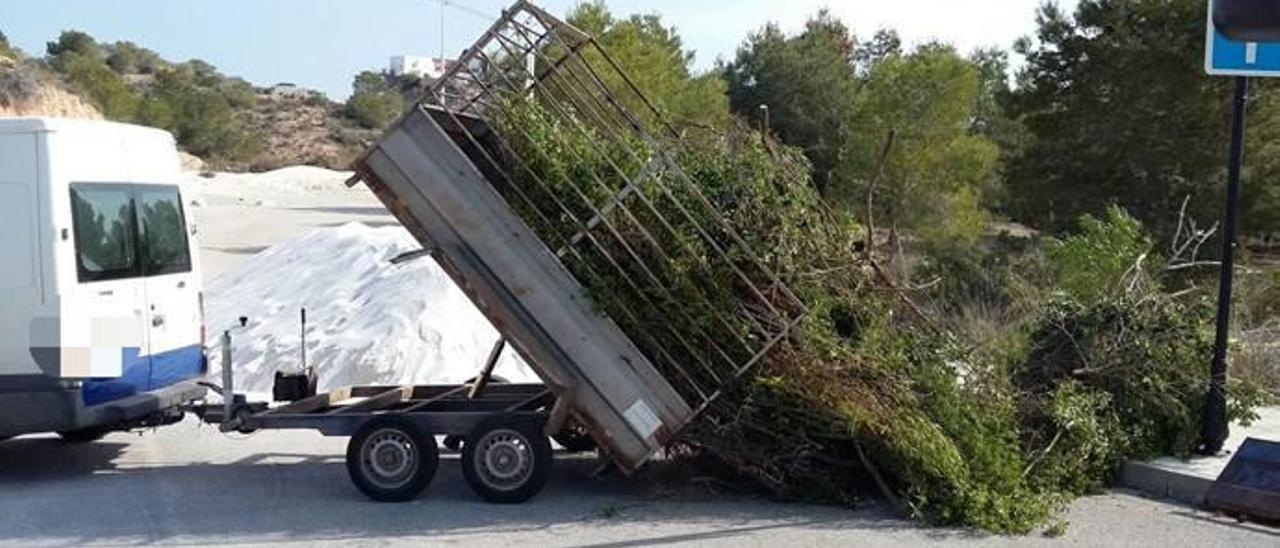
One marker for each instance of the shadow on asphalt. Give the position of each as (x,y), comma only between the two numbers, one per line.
(50,458)
(52,491)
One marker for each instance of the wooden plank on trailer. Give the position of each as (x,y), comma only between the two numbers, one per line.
(419,405)
(374,403)
(314,403)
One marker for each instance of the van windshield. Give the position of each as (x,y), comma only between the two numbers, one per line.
(128,231)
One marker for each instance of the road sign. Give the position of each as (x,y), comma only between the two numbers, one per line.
(1226,57)
(1229,52)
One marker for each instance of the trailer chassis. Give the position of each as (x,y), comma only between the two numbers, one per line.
(502,429)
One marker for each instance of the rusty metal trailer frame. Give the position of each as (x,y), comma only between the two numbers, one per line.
(440,409)
(468,197)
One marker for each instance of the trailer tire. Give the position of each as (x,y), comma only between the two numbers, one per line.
(391,459)
(507,459)
(454,442)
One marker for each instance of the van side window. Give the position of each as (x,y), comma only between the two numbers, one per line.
(106,235)
(164,231)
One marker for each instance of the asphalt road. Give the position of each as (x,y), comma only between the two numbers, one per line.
(190,485)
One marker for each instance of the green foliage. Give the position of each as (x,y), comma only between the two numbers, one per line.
(860,394)
(937,169)
(1120,379)
(192,100)
(88,75)
(653,56)
(808,83)
(1120,112)
(1261,202)
(850,380)
(203,119)
(74,42)
(130,58)
(1101,257)
(375,101)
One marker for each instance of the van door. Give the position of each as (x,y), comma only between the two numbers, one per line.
(20,290)
(103,313)
(175,344)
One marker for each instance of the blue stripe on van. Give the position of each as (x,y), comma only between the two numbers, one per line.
(137,374)
(144,373)
(175,366)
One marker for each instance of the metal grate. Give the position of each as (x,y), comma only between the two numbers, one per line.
(621,214)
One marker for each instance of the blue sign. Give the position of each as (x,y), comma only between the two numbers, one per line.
(1224,57)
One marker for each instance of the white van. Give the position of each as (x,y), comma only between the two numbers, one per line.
(101,322)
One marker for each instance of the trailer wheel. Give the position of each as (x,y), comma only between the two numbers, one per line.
(390,459)
(507,459)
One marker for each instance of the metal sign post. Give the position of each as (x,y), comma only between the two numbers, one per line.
(1215,429)
(1246,45)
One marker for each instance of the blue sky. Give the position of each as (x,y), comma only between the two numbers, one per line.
(321,44)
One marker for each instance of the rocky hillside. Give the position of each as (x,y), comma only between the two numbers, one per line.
(227,121)
(28,90)
(300,127)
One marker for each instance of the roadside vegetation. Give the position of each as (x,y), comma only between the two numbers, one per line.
(129,83)
(990,336)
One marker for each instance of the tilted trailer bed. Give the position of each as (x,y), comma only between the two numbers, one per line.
(450,179)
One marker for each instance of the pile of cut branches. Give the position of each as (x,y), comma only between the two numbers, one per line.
(863,398)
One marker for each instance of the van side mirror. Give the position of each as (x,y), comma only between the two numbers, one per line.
(1248,20)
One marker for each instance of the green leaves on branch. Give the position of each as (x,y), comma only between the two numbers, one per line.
(808,83)
(937,169)
(1103,257)
(838,99)
(376,100)
(657,63)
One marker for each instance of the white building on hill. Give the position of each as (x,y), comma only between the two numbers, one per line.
(422,67)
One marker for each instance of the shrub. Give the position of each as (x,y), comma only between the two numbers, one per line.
(87,74)
(202,119)
(376,100)
(17,84)
(375,111)
(130,58)
(1122,378)
(1100,256)
(74,42)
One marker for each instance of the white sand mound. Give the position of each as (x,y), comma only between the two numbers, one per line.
(368,321)
(289,182)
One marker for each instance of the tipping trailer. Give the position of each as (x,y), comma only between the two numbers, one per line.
(454,182)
